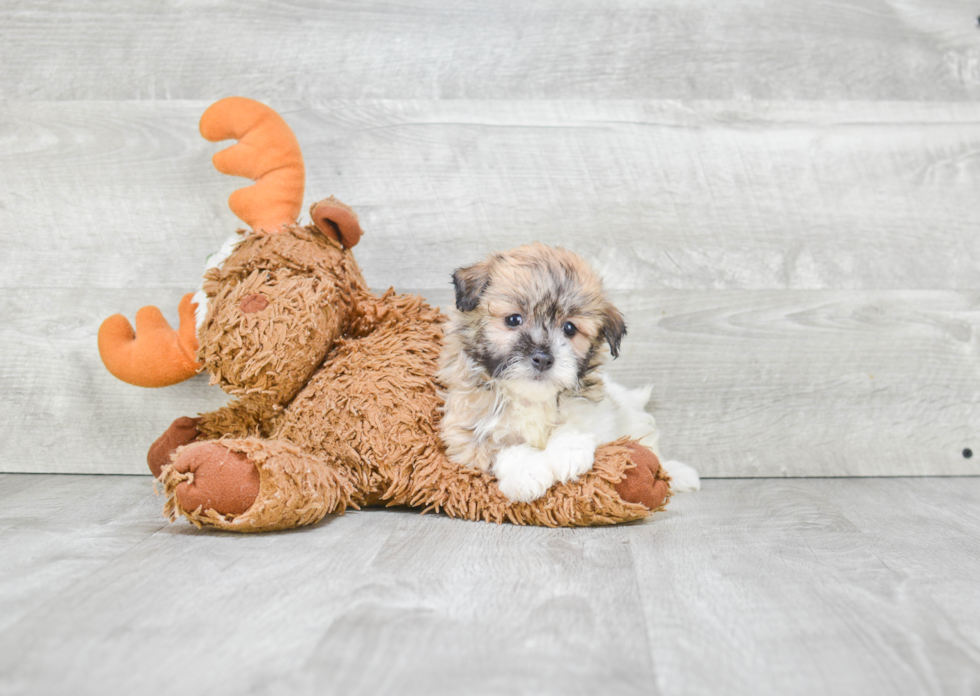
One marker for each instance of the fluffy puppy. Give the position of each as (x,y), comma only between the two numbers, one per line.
(525,397)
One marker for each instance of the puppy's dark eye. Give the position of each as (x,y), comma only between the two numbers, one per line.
(514,320)
(569,329)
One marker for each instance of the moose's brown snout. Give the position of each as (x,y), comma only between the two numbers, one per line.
(253,303)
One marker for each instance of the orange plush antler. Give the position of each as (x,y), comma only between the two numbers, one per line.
(267,151)
(154,355)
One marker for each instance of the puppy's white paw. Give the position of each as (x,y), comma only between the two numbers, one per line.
(570,454)
(683,477)
(523,473)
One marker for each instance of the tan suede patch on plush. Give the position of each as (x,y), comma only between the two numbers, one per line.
(254,303)
(294,490)
(224,481)
(646,483)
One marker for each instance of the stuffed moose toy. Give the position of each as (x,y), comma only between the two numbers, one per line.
(336,401)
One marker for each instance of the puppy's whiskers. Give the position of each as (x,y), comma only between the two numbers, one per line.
(506,365)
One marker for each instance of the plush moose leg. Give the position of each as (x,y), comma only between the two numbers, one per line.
(233,420)
(646,483)
(182,431)
(255,485)
(626,483)
(252,485)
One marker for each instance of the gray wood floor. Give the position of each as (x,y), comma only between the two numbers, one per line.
(768,586)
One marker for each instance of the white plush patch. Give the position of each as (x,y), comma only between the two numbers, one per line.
(201,311)
(213,261)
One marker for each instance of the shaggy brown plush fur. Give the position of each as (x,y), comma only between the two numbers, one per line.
(338,403)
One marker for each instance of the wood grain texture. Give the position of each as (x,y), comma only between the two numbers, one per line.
(858,586)
(761,383)
(661,195)
(810,383)
(922,535)
(776,590)
(57,530)
(273,49)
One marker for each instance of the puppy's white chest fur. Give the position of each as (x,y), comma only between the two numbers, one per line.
(556,437)
(530,421)
(561,435)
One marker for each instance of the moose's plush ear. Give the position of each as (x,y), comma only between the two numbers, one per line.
(337,220)
(613,328)
(470,282)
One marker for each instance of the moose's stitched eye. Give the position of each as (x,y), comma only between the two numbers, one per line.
(514,320)
(569,329)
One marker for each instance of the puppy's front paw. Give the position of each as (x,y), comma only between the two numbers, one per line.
(570,454)
(683,477)
(523,473)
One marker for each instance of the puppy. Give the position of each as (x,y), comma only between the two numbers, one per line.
(521,366)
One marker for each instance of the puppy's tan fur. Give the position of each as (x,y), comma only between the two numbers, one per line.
(494,398)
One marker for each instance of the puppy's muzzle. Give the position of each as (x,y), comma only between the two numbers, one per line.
(542,360)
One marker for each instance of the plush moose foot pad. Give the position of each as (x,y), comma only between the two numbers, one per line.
(216,479)
(646,483)
(253,485)
(182,431)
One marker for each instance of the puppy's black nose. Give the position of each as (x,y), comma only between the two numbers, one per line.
(542,360)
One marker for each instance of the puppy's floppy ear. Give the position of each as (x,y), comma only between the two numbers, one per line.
(613,328)
(470,282)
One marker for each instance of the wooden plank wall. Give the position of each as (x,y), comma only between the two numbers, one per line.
(782,197)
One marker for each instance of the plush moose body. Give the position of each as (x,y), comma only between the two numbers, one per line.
(336,401)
